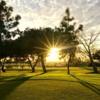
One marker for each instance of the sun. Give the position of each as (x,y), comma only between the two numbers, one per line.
(53,55)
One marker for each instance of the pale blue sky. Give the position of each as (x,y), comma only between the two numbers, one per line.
(36,13)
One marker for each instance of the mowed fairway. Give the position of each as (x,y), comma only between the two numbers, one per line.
(54,85)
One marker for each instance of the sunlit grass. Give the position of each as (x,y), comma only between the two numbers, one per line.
(56,84)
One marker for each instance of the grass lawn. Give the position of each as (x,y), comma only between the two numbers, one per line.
(54,85)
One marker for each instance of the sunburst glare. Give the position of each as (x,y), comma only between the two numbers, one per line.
(53,55)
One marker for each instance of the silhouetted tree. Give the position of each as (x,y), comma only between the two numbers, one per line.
(7,22)
(69,36)
(87,42)
(32,43)
(38,41)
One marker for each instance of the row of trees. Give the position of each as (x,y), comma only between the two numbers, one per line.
(36,42)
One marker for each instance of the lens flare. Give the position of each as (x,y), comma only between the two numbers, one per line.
(53,55)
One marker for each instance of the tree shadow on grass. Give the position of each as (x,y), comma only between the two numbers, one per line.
(52,79)
(88,85)
(54,69)
(46,78)
(7,78)
(90,70)
(93,73)
(9,86)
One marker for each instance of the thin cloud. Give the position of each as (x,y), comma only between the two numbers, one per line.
(49,12)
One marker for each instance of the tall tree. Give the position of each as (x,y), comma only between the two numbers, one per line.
(69,36)
(7,22)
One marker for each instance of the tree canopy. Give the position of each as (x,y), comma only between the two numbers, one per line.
(7,21)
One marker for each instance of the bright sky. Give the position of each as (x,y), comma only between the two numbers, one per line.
(43,13)
(48,13)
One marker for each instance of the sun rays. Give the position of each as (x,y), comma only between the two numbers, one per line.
(53,55)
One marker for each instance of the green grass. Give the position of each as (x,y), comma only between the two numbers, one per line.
(54,85)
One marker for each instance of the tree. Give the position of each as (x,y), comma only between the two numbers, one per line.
(40,41)
(69,36)
(87,41)
(7,22)
(33,43)
(37,42)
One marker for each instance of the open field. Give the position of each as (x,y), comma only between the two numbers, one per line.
(54,85)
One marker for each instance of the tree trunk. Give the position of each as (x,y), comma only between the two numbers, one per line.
(33,68)
(43,64)
(3,69)
(3,66)
(0,38)
(92,63)
(68,70)
(68,65)
(33,65)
